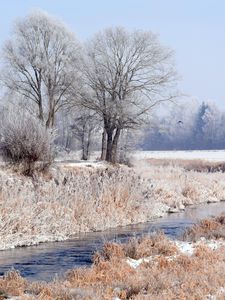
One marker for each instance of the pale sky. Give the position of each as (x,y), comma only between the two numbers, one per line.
(195,29)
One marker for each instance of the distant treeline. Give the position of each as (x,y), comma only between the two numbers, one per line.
(187,127)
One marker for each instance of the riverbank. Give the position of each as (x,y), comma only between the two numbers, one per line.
(70,199)
(152,267)
(45,261)
(73,198)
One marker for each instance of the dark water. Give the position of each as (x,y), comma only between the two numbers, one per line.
(49,260)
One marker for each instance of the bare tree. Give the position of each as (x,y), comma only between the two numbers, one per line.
(85,126)
(65,140)
(130,140)
(40,63)
(126,75)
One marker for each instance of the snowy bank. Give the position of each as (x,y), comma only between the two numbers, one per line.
(79,196)
(71,199)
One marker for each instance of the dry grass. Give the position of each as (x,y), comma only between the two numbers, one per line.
(156,244)
(208,228)
(147,246)
(168,275)
(12,284)
(177,187)
(190,164)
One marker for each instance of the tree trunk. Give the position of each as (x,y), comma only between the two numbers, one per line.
(83,143)
(40,104)
(51,106)
(84,153)
(40,113)
(68,141)
(88,143)
(104,145)
(115,146)
(109,145)
(85,147)
(51,118)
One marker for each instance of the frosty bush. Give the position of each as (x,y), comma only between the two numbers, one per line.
(25,142)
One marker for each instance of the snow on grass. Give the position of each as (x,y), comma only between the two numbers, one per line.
(82,163)
(76,155)
(94,196)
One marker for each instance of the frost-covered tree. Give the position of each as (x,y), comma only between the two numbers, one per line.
(212,126)
(78,129)
(41,63)
(84,128)
(198,130)
(126,75)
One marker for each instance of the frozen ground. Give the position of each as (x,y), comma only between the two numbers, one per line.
(209,155)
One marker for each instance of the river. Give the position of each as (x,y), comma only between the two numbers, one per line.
(50,260)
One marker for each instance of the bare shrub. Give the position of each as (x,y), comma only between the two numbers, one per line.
(25,142)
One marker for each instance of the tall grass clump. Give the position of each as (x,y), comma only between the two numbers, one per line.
(26,142)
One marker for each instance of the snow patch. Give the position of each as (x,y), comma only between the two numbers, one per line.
(186,248)
(134,263)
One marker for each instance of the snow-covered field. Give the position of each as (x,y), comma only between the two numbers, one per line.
(209,155)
